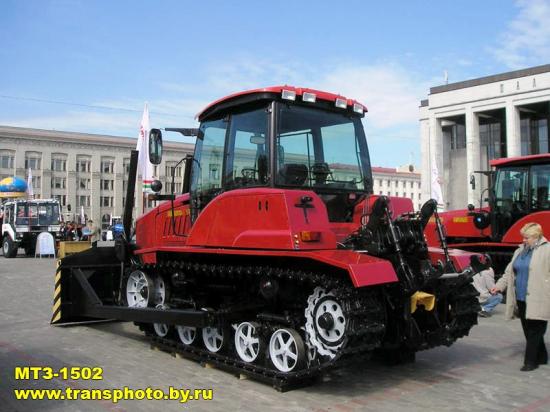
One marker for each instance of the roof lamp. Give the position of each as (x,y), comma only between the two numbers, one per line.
(288,95)
(357,108)
(341,103)
(309,97)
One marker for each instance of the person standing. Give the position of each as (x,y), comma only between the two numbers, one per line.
(93,233)
(484,281)
(527,284)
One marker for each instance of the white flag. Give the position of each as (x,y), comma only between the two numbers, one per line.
(30,191)
(436,194)
(144,165)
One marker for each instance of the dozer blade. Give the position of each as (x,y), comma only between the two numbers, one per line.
(72,291)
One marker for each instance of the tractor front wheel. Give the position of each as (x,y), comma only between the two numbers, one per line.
(9,247)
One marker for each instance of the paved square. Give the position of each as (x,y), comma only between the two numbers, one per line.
(478,373)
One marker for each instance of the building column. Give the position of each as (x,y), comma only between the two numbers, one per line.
(472,153)
(513,130)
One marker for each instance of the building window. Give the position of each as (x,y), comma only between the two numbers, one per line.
(106,201)
(83,201)
(7,159)
(107,165)
(126,165)
(83,164)
(59,182)
(62,199)
(214,171)
(59,162)
(491,136)
(84,183)
(33,160)
(107,184)
(36,182)
(456,135)
(170,168)
(534,136)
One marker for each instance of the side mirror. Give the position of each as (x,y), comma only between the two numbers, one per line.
(257,139)
(155,146)
(473,182)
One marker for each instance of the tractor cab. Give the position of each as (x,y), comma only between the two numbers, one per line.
(283,137)
(521,187)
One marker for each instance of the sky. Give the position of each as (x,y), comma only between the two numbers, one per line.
(89,66)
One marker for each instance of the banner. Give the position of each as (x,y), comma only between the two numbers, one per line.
(437,193)
(145,168)
(30,190)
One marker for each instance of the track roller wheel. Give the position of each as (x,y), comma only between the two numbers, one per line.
(161,329)
(214,339)
(143,290)
(247,341)
(187,334)
(287,350)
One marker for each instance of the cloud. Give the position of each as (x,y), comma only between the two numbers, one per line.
(526,41)
(390,92)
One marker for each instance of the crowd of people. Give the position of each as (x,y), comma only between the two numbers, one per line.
(72,231)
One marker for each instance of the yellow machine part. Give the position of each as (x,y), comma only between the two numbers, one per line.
(423,299)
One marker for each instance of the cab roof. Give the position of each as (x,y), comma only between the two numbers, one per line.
(521,160)
(274,91)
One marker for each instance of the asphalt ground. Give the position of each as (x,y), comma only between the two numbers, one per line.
(478,373)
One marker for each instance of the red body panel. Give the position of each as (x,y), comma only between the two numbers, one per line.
(457,223)
(262,218)
(398,206)
(364,270)
(513,236)
(460,258)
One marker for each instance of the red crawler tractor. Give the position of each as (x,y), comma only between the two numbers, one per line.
(276,260)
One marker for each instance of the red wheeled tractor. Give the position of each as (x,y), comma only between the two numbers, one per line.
(518,193)
(276,260)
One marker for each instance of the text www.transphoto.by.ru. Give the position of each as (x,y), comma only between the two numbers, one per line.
(115,395)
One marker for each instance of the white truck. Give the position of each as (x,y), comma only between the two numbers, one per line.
(24,220)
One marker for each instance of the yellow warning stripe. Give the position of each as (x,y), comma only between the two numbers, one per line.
(56,305)
(56,309)
(56,318)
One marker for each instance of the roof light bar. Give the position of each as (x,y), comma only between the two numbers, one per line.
(358,108)
(309,97)
(341,103)
(288,95)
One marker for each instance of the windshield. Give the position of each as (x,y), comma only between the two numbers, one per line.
(321,150)
(37,214)
(511,188)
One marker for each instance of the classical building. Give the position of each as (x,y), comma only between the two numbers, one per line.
(466,124)
(403,181)
(82,171)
